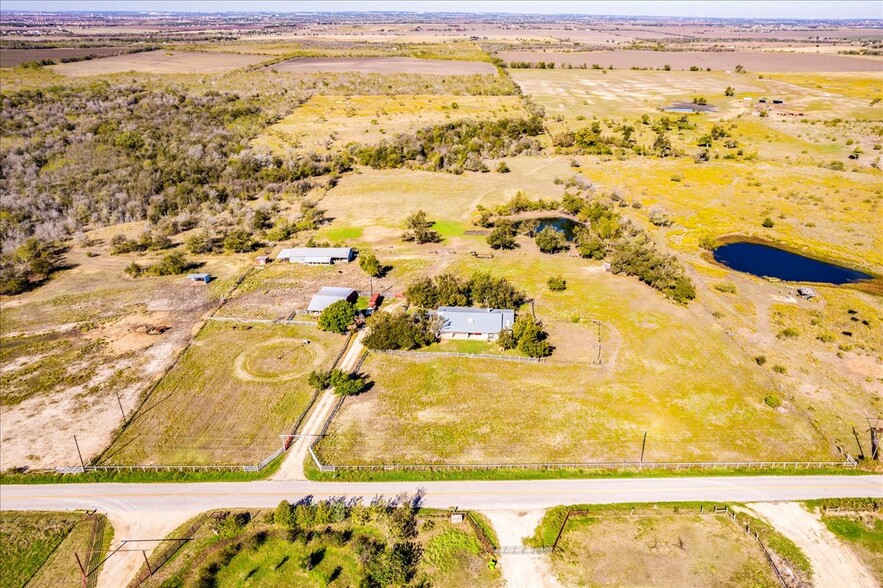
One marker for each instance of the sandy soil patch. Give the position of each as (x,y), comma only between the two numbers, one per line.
(384,65)
(121,568)
(521,571)
(833,563)
(159,62)
(751,60)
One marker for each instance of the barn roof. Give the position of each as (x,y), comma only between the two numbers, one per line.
(327,296)
(315,252)
(460,319)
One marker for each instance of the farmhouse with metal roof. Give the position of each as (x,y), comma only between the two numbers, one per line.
(479,323)
(328,295)
(316,255)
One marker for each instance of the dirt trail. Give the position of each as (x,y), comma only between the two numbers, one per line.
(834,565)
(292,467)
(521,571)
(122,566)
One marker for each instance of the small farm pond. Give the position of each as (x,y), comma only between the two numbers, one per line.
(562,225)
(766,261)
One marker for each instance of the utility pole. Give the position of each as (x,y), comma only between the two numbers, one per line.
(82,463)
(120,402)
(643,445)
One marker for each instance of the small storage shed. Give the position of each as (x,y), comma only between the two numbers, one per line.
(262,259)
(328,295)
(206,278)
(375,301)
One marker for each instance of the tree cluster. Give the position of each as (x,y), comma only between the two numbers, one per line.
(401,330)
(170,265)
(344,383)
(28,265)
(390,559)
(481,290)
(454,147)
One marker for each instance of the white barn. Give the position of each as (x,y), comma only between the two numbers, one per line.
(328,295)
(316,255)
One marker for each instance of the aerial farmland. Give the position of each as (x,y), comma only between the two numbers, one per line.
(237,249)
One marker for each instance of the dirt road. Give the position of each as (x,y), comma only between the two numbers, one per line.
(834,564)
(292,467)
(522,570)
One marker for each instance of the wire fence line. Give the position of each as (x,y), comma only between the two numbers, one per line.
(460,354)
(614,465)
(234,319)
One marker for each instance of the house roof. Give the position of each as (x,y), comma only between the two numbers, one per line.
(327,296)
(317,252)
(460,319)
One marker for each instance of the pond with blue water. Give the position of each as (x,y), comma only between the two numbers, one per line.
(560,224)
(769,262)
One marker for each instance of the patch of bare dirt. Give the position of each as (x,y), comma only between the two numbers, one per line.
(834,564)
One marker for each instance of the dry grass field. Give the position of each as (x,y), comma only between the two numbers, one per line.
(13,57)
(754,61)
(615,549)
(665,369)
(384,65)
(229,397)
(327,124)
(38,548)
(72,345)
(159,62)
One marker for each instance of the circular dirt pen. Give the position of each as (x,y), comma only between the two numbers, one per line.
(278,360)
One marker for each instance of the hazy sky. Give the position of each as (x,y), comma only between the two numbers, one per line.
(807,9)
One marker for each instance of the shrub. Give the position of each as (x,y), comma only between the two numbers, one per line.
(337,317)
(788,333)
(780,369)
(419,229)
(369,264)
(239,241)
(550,241)
(530,337)
(284,515)
(170,265)
(200,243)
(345,384)
(760,359)
(503,236)
(772,401)
(725,287)
(768,223)
(557,284)
(319,379)
(503,168)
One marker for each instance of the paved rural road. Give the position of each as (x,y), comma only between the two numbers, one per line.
(515,495)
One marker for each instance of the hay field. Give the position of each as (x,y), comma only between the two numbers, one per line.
(668,370)
(384,65)
(235,389)
(159,62)
(659,549)
(326,124)
(752,61)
